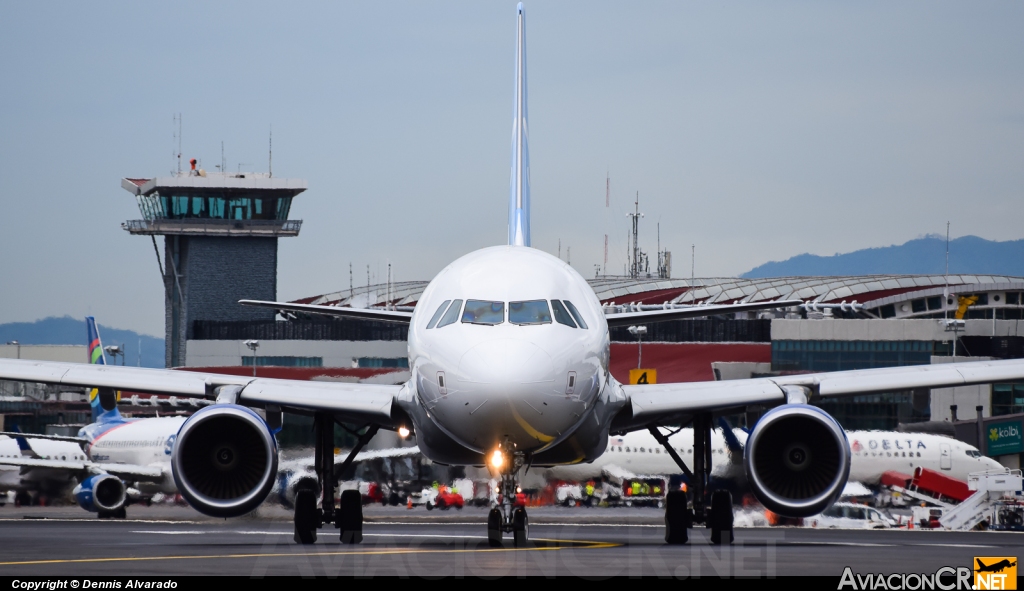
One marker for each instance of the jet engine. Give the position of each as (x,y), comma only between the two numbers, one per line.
(224,460)
(797,460)
(102,493)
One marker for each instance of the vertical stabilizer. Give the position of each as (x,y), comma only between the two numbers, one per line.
(519,186)
(102,400)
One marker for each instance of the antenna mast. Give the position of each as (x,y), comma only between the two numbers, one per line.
(270,153)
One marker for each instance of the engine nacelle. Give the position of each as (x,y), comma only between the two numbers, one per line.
(797,460)
(224,460)
(101,493)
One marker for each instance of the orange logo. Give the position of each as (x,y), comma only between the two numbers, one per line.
(995,572)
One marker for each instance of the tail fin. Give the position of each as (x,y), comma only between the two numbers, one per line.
(519,186)
(102,400)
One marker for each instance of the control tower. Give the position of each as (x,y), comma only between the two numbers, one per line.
(220,244)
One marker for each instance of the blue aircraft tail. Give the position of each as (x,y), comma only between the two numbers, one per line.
(102,400)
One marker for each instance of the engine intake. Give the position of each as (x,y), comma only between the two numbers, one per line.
(224,460)
(797,460)
(102,493)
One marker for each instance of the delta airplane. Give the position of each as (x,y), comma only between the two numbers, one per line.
(871,454)
(508,351)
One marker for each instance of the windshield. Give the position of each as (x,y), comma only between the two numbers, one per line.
(575,314)
(530,312)
(561,314)
(437,315)
(451,315)
(482,312)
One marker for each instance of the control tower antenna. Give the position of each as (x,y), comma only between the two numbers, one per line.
(270,153)
(636,255)
(607,203)
(223,162)
(176,139)
(351,289)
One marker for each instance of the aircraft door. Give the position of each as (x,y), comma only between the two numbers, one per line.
(945,456)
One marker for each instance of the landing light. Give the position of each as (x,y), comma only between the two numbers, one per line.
(497,459)
(403,432)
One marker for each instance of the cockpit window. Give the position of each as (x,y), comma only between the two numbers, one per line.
(575,314)
(530,312)
(561,314)
(437,315)
(483,312)
(451,315)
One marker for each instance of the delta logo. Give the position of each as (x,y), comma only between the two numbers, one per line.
(856,447)
(995,572)
(994,434)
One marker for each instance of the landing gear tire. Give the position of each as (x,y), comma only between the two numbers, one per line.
(430,506)
(520,528)
(677,518)
(393,499)
(306,517)
(22,499)
(494,528)
(721,517)
(120,514)
(350,517)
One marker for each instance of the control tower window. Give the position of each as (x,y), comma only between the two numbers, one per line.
(483,312)
(575,314)
(451,315)
(217,205)
(529,312)
(437,315)
(561,314)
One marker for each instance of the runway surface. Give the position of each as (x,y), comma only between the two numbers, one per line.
(595,543)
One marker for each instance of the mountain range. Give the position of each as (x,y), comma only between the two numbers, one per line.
(72,331)
(921,256)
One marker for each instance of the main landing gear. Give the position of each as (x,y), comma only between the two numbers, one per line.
(348,517)
(509,515)
(679,518)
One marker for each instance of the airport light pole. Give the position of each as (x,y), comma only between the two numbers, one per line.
(253,344)
(114,351)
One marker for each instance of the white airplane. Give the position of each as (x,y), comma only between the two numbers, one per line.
(872,453)
(47,482)
(508,353)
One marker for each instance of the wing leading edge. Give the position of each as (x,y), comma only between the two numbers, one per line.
(681,313)
(399,316)
(654,403)
(354,401)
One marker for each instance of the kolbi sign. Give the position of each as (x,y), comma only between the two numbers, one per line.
(1004,438)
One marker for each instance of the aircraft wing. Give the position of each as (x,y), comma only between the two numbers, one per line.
(337,311)
(123,471)
(352,401)
(16,434)
(656,403)
(680,313)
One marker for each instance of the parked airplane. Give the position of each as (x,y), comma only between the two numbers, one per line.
(508,352)
(872,453)
(46,483)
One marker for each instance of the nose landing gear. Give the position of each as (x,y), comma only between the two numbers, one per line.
(509,514)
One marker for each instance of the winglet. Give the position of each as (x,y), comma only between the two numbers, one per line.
(519,186)
(25,446)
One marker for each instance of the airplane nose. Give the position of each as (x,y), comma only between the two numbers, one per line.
(506,362)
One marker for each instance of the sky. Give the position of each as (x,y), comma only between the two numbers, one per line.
(754,131)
